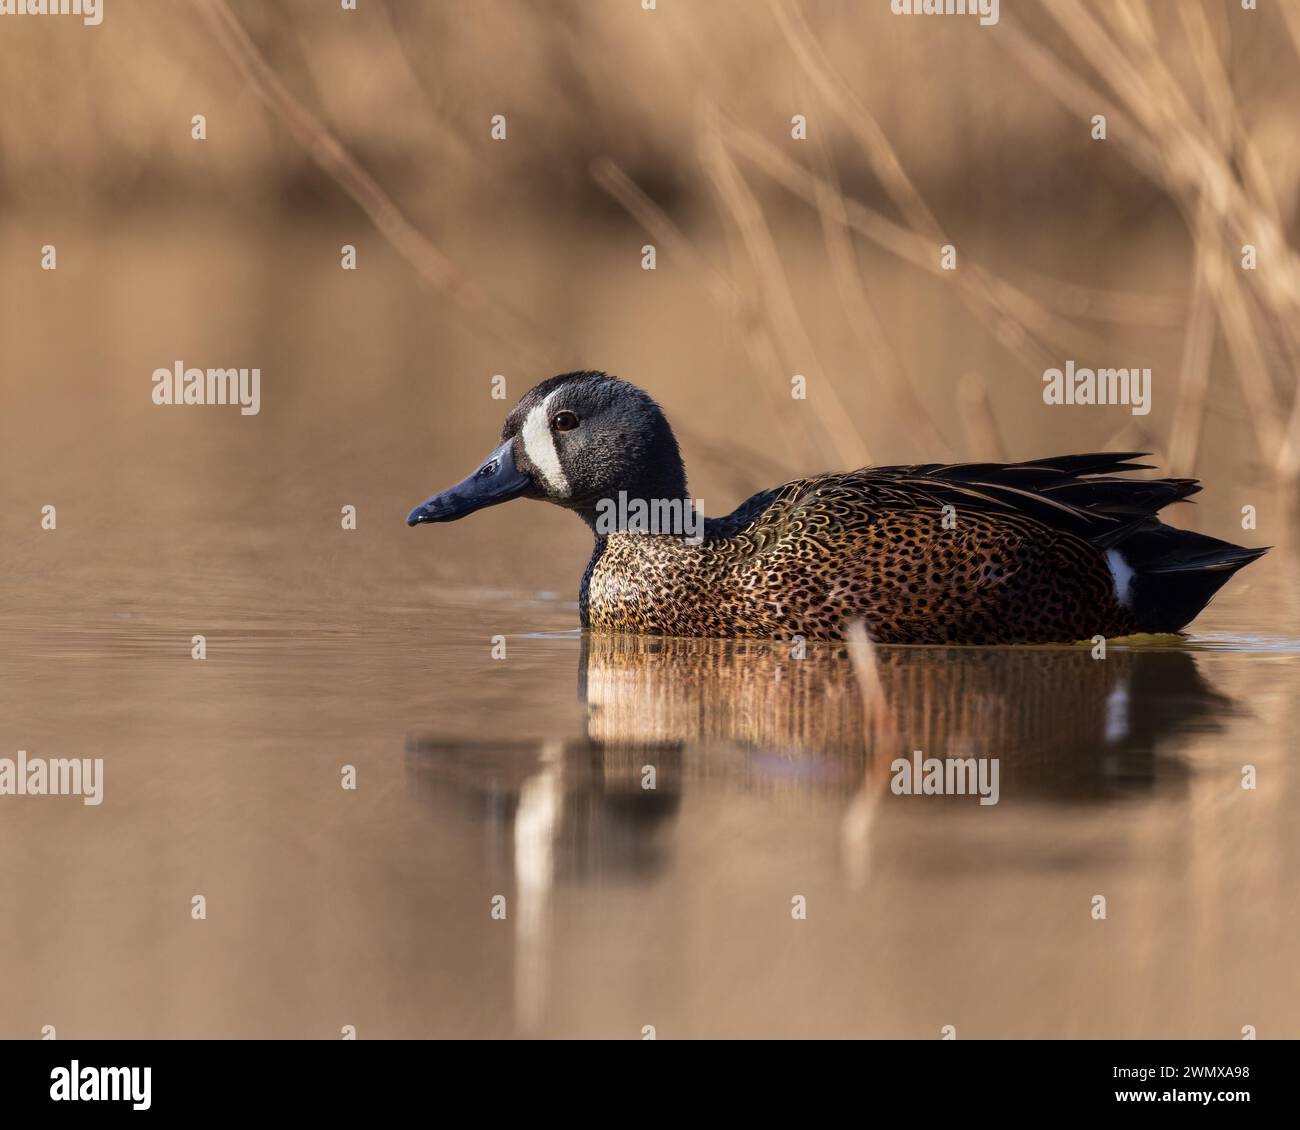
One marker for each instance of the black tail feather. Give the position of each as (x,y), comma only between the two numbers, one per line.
(1079,493)
(1177,572)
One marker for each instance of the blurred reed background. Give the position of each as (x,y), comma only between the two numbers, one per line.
(625,127)
(522,257)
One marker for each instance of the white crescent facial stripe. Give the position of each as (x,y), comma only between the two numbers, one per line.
(539,446)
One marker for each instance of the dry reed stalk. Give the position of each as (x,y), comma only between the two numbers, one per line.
(610,177)
(876,718)
(860,313)
(1133,436)
(1289,457)
(1202,164)
(990,294)
(1201,321)
(978,421)
(1233,138)
(432,266)
(743,468)
(1244,345)
(1248,204)
(1224,117)
(978,284)
(776,299)
(1078,95)
(1191,163)
(1106,304)
(839,97)
(735,306)
(1095,44)
(439,118)
(1198,348)
(1290,11)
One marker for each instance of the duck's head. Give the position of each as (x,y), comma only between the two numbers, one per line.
(574,440)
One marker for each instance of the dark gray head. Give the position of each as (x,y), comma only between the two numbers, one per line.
(573,440)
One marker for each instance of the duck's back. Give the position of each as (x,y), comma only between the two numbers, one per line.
(1053,550)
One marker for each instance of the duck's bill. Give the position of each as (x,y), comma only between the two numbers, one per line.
(497,480)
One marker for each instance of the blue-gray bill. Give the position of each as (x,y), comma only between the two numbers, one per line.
(497,480)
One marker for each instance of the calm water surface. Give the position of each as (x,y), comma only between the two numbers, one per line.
(521,777)
(629,907)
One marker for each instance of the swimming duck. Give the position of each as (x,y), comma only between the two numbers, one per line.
(1049,551)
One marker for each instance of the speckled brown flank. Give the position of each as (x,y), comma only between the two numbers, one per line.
(837,547)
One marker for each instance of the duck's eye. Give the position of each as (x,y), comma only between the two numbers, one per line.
(564,422)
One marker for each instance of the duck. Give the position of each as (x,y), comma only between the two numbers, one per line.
(1056,550)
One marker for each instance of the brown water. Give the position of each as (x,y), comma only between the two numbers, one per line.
(629,907)
(522,776)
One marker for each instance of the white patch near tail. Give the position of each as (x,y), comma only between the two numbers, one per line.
(1117,714)
(539,445)
(1123,574)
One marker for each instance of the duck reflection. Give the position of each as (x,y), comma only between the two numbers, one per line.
(777,720)
(1065,725)
(770,717)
